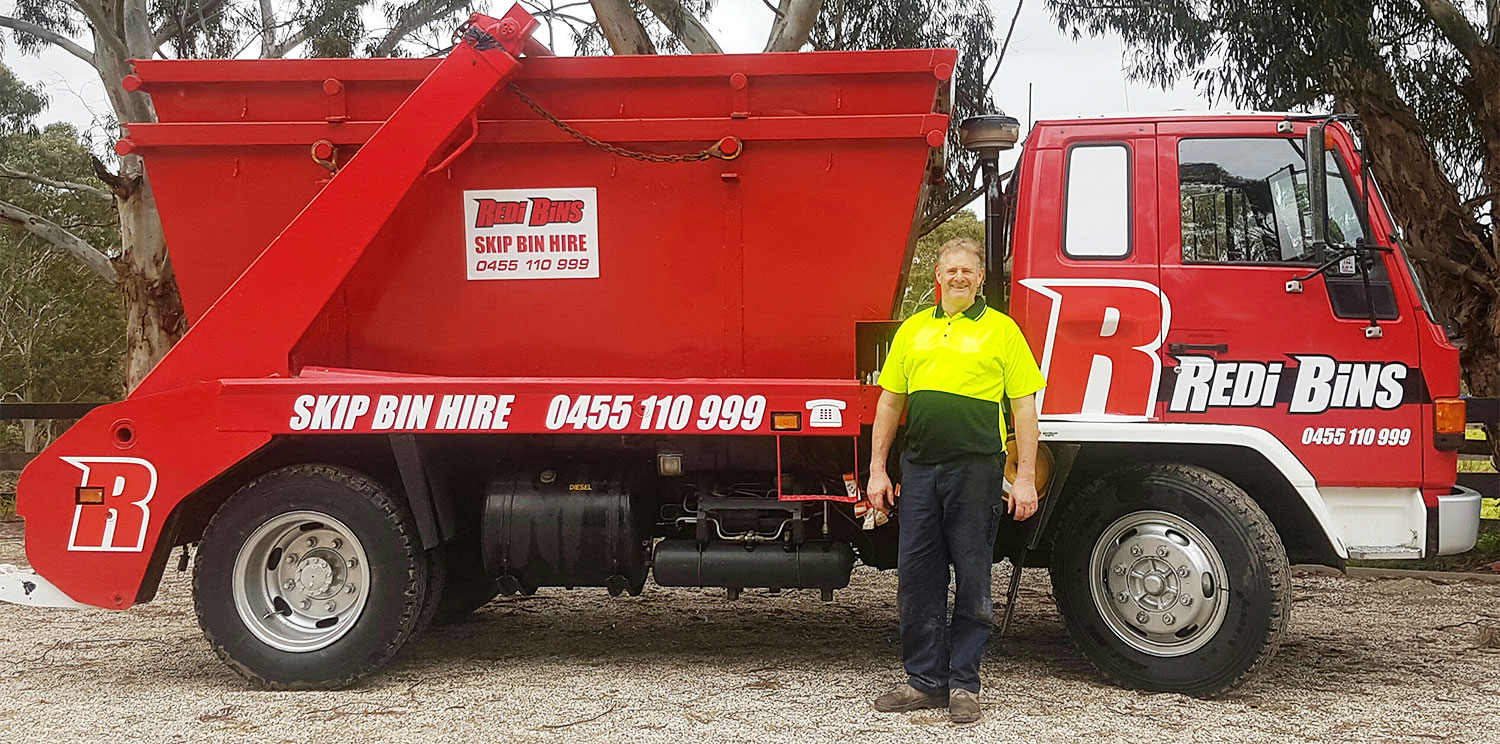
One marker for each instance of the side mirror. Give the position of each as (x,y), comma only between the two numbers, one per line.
(1317,188)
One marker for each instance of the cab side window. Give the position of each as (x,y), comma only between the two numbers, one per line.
(1244,200)
(1097,221)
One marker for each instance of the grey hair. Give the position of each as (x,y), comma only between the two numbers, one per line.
(962,244)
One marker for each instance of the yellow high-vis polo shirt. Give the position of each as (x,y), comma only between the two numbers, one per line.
(955,371)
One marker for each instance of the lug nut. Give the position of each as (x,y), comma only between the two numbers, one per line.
(289,585)
(1120,569)
(304,604)
(312,541)
(1187,600)
(1183,572)
(1123,597)
(291,559)
(348,588)
(330,607)
(337,543)
(1161,551)
(1168,619)
(1135,550)
(352,562)
(1142,618)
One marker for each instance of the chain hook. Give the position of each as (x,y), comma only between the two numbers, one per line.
(326,155)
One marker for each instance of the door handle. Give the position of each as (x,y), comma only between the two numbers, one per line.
(1176,348)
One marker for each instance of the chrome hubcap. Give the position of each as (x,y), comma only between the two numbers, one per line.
(1159,583)
(300,582)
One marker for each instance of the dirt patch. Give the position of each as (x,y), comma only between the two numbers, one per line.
(1364,661)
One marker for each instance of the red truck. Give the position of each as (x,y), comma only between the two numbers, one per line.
(504,321)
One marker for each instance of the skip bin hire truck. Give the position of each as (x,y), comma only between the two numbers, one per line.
(502,321)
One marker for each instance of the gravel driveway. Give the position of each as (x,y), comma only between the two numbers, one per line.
(1365,660)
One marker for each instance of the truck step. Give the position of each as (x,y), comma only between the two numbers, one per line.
(1383,552)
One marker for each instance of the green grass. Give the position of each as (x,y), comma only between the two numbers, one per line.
(7,505)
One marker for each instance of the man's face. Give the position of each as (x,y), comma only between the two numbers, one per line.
(960,275)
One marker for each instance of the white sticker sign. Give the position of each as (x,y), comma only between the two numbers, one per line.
(532,233)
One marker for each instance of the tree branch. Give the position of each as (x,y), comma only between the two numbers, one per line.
(1454,25)
(267,27)
(1005,45)
(8,172)
(51,37)
(684,25)
(955,204)
(278,51)
(181,25)
(59,238)
(792,29)
(411,18)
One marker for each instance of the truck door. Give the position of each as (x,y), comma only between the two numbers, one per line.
(1246,347)
(1086,270)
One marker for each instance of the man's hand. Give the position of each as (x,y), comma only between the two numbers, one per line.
(882,495)
(1023,499)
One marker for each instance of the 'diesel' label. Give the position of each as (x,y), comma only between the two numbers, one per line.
(532,233)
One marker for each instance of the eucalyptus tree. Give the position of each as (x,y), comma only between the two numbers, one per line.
(1424,78)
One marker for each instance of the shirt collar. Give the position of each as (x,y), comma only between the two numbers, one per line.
(972,312)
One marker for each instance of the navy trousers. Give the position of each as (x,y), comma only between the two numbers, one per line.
(949,514)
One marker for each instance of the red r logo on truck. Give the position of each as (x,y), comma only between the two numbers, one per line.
(119,523)
(1100,356)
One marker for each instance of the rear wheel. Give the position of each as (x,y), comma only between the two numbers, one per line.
(1171,578)
(310,576)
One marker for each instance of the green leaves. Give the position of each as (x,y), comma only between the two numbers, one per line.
(62,334)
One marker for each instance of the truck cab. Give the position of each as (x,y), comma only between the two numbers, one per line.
(1161,276)
(1206,321)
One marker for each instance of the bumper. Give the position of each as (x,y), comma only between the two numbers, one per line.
(1457,521)
(26,588)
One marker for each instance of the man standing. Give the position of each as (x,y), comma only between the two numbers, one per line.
(953,364)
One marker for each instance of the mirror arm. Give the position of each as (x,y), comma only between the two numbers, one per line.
(1368,256)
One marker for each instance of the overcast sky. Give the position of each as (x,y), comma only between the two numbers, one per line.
(1068,78)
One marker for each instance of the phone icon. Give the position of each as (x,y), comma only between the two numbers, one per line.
(825,413)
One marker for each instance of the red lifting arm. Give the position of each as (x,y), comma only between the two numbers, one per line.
(285,289)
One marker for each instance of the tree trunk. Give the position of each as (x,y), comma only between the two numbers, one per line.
(621,27)
(794,25)
(1448,244)
(154,319)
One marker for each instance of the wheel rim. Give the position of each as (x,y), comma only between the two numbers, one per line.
(1159,583)
(301,581)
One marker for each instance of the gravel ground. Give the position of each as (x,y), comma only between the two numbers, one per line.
(1365,660)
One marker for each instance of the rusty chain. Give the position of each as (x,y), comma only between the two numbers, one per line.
(716,150)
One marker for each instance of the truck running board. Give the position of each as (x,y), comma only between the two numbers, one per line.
(1383,552)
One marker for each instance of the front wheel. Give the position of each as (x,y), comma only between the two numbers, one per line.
(311,576)
(1171,578)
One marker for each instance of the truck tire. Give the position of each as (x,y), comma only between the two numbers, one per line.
(467,587)
(310,577)
(1171,578)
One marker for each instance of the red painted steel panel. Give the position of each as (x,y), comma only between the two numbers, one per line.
(749,268)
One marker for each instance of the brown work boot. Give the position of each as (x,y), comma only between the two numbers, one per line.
(963,706)
(905,697)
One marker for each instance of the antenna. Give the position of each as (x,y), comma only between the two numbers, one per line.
(1028,109)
